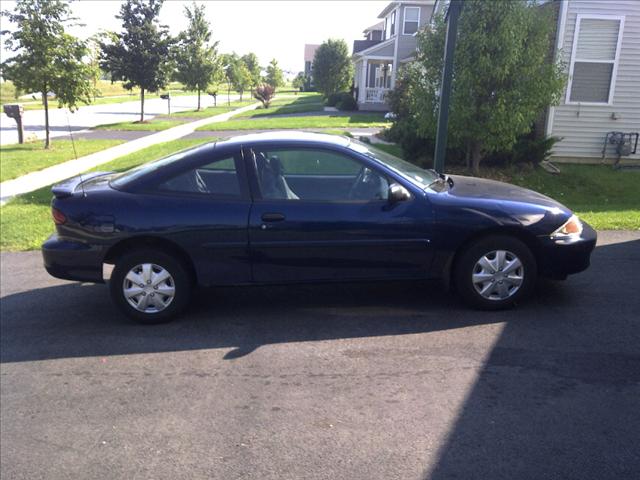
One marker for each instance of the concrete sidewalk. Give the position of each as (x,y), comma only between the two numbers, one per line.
(41,178)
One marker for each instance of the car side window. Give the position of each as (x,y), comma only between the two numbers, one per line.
(316,175)
(218,178)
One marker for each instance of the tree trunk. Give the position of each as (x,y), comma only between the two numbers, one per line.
(241,95)
(142,105)
(476,156)
(47,142)
(198,99)
(467,157)
(229,95)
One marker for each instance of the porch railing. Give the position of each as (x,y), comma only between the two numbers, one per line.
(375,95)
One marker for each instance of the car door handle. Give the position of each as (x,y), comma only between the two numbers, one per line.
(272,217)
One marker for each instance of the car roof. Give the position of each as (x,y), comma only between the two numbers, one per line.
(287,136)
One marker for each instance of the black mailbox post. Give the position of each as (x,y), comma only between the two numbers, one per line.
(167,97)
(16,111)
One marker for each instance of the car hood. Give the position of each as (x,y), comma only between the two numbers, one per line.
(480,188)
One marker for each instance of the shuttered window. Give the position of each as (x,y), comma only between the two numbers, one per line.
(594,58)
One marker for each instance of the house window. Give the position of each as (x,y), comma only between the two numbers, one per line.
(393,23)
(594,59)
(411,20)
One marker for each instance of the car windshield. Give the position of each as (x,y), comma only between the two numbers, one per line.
(419,176)
(122,179)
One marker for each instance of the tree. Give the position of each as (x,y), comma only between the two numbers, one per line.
(251,61)
(242,80)
(140,55)
(300,81)
(229,63)
(265,94)
(196,57)
(332,67)
(275,77)
(503,77)
(48,58)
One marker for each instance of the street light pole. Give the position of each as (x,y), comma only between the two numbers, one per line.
(445,86)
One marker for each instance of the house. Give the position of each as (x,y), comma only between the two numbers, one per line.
(385,47)
(599,44)
(309,54)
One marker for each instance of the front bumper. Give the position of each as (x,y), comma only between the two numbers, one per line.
(71,260)
(558,258)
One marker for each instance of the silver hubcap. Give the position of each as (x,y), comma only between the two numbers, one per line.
(497,275)
(149,288)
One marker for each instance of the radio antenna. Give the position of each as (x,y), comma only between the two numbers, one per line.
(75,153)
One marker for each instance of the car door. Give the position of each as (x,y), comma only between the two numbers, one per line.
(322,214)
(203,207)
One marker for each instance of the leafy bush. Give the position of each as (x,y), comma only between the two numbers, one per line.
(332,99)
(346,102)
(527,149)
(264,93)
(342,100)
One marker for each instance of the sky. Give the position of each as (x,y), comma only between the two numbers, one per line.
(270,29)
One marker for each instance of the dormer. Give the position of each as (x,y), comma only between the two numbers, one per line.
(374,32)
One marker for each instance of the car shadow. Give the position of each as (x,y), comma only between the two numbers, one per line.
(75,320)
(559,395)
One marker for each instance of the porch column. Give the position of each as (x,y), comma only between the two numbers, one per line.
(362,88)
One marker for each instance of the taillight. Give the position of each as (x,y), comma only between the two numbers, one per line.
(59,218)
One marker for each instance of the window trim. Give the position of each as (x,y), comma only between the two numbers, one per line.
(615,61)
(404,21)
(393,23)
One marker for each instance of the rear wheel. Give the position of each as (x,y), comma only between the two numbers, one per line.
(495,272)
(150,286)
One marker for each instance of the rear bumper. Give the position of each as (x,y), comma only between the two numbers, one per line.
(73,260)
(559,258)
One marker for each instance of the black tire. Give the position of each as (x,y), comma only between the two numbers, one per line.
(180,280)
(466,263)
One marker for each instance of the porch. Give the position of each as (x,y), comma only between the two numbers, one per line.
(374,78)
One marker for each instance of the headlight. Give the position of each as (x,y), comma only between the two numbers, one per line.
(571,228)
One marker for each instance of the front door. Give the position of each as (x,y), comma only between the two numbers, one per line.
(320,214)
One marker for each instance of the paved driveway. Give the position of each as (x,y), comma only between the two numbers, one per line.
(326,382)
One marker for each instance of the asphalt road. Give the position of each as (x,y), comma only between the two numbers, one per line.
(87,116)
(350,382)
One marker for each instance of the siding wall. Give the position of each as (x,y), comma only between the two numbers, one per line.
(407,43)
(583,127)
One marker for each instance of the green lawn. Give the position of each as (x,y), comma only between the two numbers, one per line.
(16,160)
(148,125)
(25,222)
(343,120)
(222,107)
(287,105)
(607,199)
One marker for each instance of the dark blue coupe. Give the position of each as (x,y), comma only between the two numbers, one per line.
(289,207)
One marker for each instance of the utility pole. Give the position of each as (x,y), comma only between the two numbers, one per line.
(455,7)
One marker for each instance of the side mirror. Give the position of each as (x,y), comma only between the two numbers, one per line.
(397,193)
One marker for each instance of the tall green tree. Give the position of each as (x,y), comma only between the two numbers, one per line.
(275,77)
(332,67)
(196,56)
(503,78)
(48,59)
(229,63)
(251,61)
(300,81)
(242,80)
(140,54)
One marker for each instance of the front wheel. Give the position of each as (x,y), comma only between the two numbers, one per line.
(150,286)
(495,272)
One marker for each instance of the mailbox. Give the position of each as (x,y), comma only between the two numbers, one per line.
(167,97)
(15,111)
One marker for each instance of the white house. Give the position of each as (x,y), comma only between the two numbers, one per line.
(386,46)
(599,42)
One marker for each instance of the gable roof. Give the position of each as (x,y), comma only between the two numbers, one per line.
(393,5)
